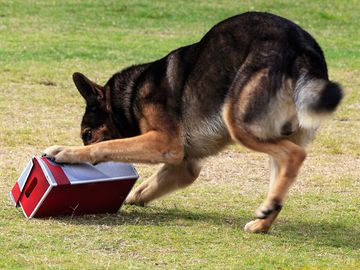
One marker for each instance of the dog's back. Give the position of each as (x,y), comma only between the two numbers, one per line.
(270,72)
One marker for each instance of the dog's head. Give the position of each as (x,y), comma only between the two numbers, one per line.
(96,125)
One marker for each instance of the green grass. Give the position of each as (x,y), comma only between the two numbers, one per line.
(43,42)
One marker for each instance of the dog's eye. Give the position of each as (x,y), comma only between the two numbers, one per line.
(87,136)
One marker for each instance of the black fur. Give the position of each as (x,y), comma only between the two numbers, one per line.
(275,208)
(330,98)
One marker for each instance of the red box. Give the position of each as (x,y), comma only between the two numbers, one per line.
(46,188)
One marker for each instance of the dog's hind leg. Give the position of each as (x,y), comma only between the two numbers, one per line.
(169,178)
(302,137)
(274,171)
(288,158)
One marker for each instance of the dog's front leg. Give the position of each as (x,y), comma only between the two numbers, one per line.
(151,147)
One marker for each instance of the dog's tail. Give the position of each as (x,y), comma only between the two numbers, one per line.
(315,99)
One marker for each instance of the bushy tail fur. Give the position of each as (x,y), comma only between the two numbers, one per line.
(315,99)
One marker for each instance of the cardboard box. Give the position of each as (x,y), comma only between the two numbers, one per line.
(46,188)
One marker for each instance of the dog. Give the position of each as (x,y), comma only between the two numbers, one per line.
(256,79)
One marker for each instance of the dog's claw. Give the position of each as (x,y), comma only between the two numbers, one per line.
(60,154)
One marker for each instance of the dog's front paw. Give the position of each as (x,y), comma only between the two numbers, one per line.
(62,154)
(52,151)
(132,199)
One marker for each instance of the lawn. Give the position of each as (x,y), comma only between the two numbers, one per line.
(43,42)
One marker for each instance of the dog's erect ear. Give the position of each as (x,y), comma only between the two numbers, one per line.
(93,93)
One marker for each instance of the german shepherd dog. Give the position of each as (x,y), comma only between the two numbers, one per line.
(256,79)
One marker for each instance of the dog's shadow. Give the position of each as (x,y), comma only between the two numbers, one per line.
(133,215)
(322,233)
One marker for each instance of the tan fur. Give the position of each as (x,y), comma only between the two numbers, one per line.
(248,90)
(155,145)
(261,225)
(152,147)
(287,155)
(168,178)
(145,90)
(279,110)
(154,118)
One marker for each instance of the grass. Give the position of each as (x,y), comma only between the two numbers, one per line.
(43,42)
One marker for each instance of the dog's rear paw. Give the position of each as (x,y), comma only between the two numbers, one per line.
(256,226)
